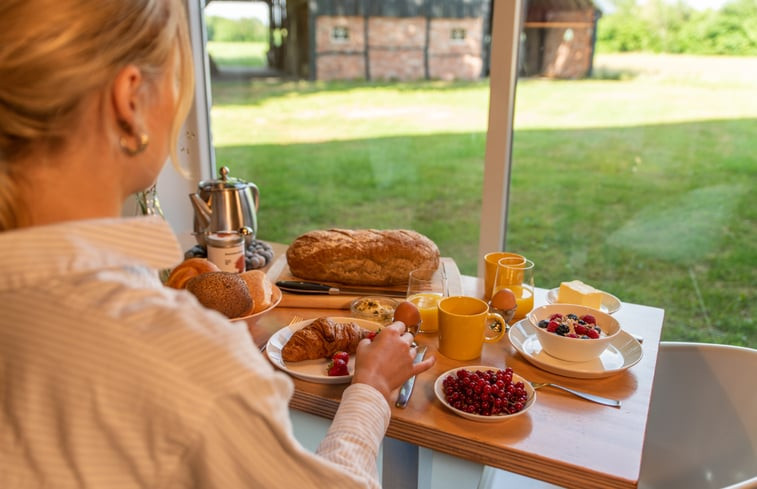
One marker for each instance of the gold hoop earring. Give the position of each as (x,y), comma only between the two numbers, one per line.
(142,141)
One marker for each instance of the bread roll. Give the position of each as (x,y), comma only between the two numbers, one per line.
(188,269)
(225,292)
(361,257)
(261,289)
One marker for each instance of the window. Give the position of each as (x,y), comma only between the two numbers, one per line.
(632,180)
(340,33)
(378,155)
(457,34)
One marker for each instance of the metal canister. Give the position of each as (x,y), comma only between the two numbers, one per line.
(226,250)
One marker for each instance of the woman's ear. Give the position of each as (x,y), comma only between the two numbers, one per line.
(126,100)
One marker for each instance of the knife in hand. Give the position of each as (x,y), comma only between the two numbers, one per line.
(407,387)
(297,287)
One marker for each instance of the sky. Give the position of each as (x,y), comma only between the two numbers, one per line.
(234,10)
(604,5)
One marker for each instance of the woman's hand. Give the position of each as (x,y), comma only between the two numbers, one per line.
(386,362)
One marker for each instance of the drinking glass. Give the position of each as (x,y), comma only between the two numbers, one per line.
(425,288)
(490,268)
(518,276)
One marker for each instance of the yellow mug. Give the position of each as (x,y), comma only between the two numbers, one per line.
(465,324)
(490,269)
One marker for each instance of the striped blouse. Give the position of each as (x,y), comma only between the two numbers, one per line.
(110,380)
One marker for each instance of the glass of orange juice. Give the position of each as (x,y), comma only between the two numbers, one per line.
(519,278)
(425,288)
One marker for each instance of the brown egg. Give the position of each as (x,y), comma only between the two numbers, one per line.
(503,299)
(408,313)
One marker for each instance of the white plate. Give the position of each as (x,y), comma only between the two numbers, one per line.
(622,353)
(275,295)
(312,370)
(439,391)
(609,304)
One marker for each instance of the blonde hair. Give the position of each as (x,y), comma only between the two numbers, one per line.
(54,54)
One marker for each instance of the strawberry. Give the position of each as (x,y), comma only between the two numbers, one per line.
(338,367)
(373,334)
(341,355)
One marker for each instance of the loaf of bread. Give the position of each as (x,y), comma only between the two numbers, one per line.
(362,256)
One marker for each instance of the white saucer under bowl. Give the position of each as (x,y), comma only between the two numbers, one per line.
(622,353)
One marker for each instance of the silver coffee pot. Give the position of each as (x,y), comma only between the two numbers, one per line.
(225,205)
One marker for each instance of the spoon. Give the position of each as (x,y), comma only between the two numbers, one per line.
(585,395)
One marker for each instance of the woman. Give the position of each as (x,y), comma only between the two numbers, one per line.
(108,378)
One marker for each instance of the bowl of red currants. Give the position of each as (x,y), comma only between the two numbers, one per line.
(483,393)
(573,333)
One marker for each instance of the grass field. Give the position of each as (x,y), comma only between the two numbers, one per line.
(640,181)
(238,54)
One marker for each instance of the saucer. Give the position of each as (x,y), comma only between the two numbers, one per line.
(622,353)
(609,303)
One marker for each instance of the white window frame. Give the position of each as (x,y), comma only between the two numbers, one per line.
(506,27)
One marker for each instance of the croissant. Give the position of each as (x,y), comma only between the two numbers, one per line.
(321,339)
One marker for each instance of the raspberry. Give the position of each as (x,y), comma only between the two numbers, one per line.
(556,315)
(588,318)
(552,326)
(580,329)
(592,333)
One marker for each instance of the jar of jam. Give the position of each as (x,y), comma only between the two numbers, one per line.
(226,250)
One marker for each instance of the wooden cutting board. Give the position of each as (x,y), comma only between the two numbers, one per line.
(279,270)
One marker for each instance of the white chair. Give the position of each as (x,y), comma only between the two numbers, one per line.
(702,428)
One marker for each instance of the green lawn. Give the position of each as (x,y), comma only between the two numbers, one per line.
(238,54)
(640,184)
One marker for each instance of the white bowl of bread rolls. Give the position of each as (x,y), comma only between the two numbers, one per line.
(238,296)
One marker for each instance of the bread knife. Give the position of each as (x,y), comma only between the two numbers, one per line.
(297,287)
(407,387)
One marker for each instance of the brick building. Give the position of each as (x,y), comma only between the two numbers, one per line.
(426,39)
(559,38)
(386,39)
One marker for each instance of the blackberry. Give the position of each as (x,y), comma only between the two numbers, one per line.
(562,330)
(196,251)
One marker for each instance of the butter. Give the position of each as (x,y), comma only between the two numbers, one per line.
(577,292)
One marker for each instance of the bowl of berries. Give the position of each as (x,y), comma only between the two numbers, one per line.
(485,394)
(573,333)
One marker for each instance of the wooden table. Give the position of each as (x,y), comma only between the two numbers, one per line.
(563,440)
